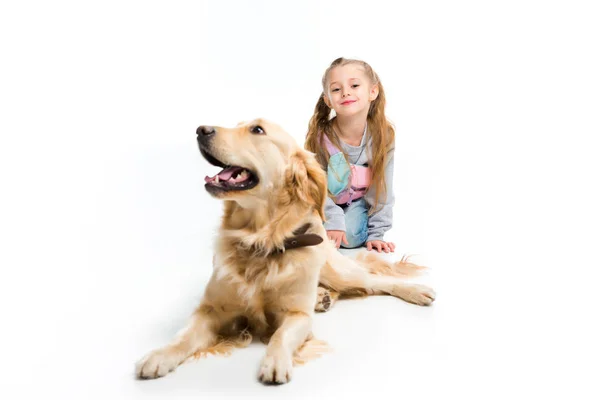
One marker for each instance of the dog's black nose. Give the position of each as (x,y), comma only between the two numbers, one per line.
(205,131)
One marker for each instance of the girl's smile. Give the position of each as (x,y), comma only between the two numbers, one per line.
(350,90)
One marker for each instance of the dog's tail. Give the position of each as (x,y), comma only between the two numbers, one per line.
(378,266)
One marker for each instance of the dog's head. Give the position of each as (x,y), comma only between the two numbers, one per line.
(260,162)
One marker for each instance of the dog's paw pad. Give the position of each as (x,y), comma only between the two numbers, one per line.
(324,301)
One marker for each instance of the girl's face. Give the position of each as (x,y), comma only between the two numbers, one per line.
(349,90)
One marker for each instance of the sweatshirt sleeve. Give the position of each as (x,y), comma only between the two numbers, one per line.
(381,221)
(334,216)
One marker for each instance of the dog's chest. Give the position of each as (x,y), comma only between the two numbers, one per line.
(256,279)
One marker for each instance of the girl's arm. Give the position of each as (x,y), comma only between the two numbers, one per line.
(381,221)
(335,216)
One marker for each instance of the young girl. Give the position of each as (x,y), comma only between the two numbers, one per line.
(356,147)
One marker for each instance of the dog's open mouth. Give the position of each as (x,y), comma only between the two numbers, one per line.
(231,178)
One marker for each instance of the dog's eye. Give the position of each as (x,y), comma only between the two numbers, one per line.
(257,130)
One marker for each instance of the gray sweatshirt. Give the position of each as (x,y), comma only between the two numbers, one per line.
(380,221)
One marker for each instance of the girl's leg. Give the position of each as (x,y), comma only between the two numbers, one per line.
(356,224)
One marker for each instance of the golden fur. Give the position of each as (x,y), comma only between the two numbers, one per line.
(259,289)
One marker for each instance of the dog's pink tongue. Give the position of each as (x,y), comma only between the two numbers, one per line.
(225,175)
(227,172)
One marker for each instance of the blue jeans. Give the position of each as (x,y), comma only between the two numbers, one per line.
(356,223)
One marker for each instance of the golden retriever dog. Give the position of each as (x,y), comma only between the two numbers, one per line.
(271,254)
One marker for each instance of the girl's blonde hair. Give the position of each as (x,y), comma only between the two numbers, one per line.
(381,130)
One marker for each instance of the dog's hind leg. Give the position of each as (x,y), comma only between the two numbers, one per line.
(348,276)
(201,332)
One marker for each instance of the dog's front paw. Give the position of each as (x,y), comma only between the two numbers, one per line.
(421,295)
(275,369)
(158,363)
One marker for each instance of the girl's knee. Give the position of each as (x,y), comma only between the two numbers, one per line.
(354,241)
(356,225)
(356,236)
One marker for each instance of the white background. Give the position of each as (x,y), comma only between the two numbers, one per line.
(106,230)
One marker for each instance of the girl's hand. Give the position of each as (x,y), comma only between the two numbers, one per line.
(338,237)
(381,245)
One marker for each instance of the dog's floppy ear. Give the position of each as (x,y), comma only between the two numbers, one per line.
(307,181)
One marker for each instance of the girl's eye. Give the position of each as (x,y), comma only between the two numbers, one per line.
(257,130)
(335,90)
(355,85)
